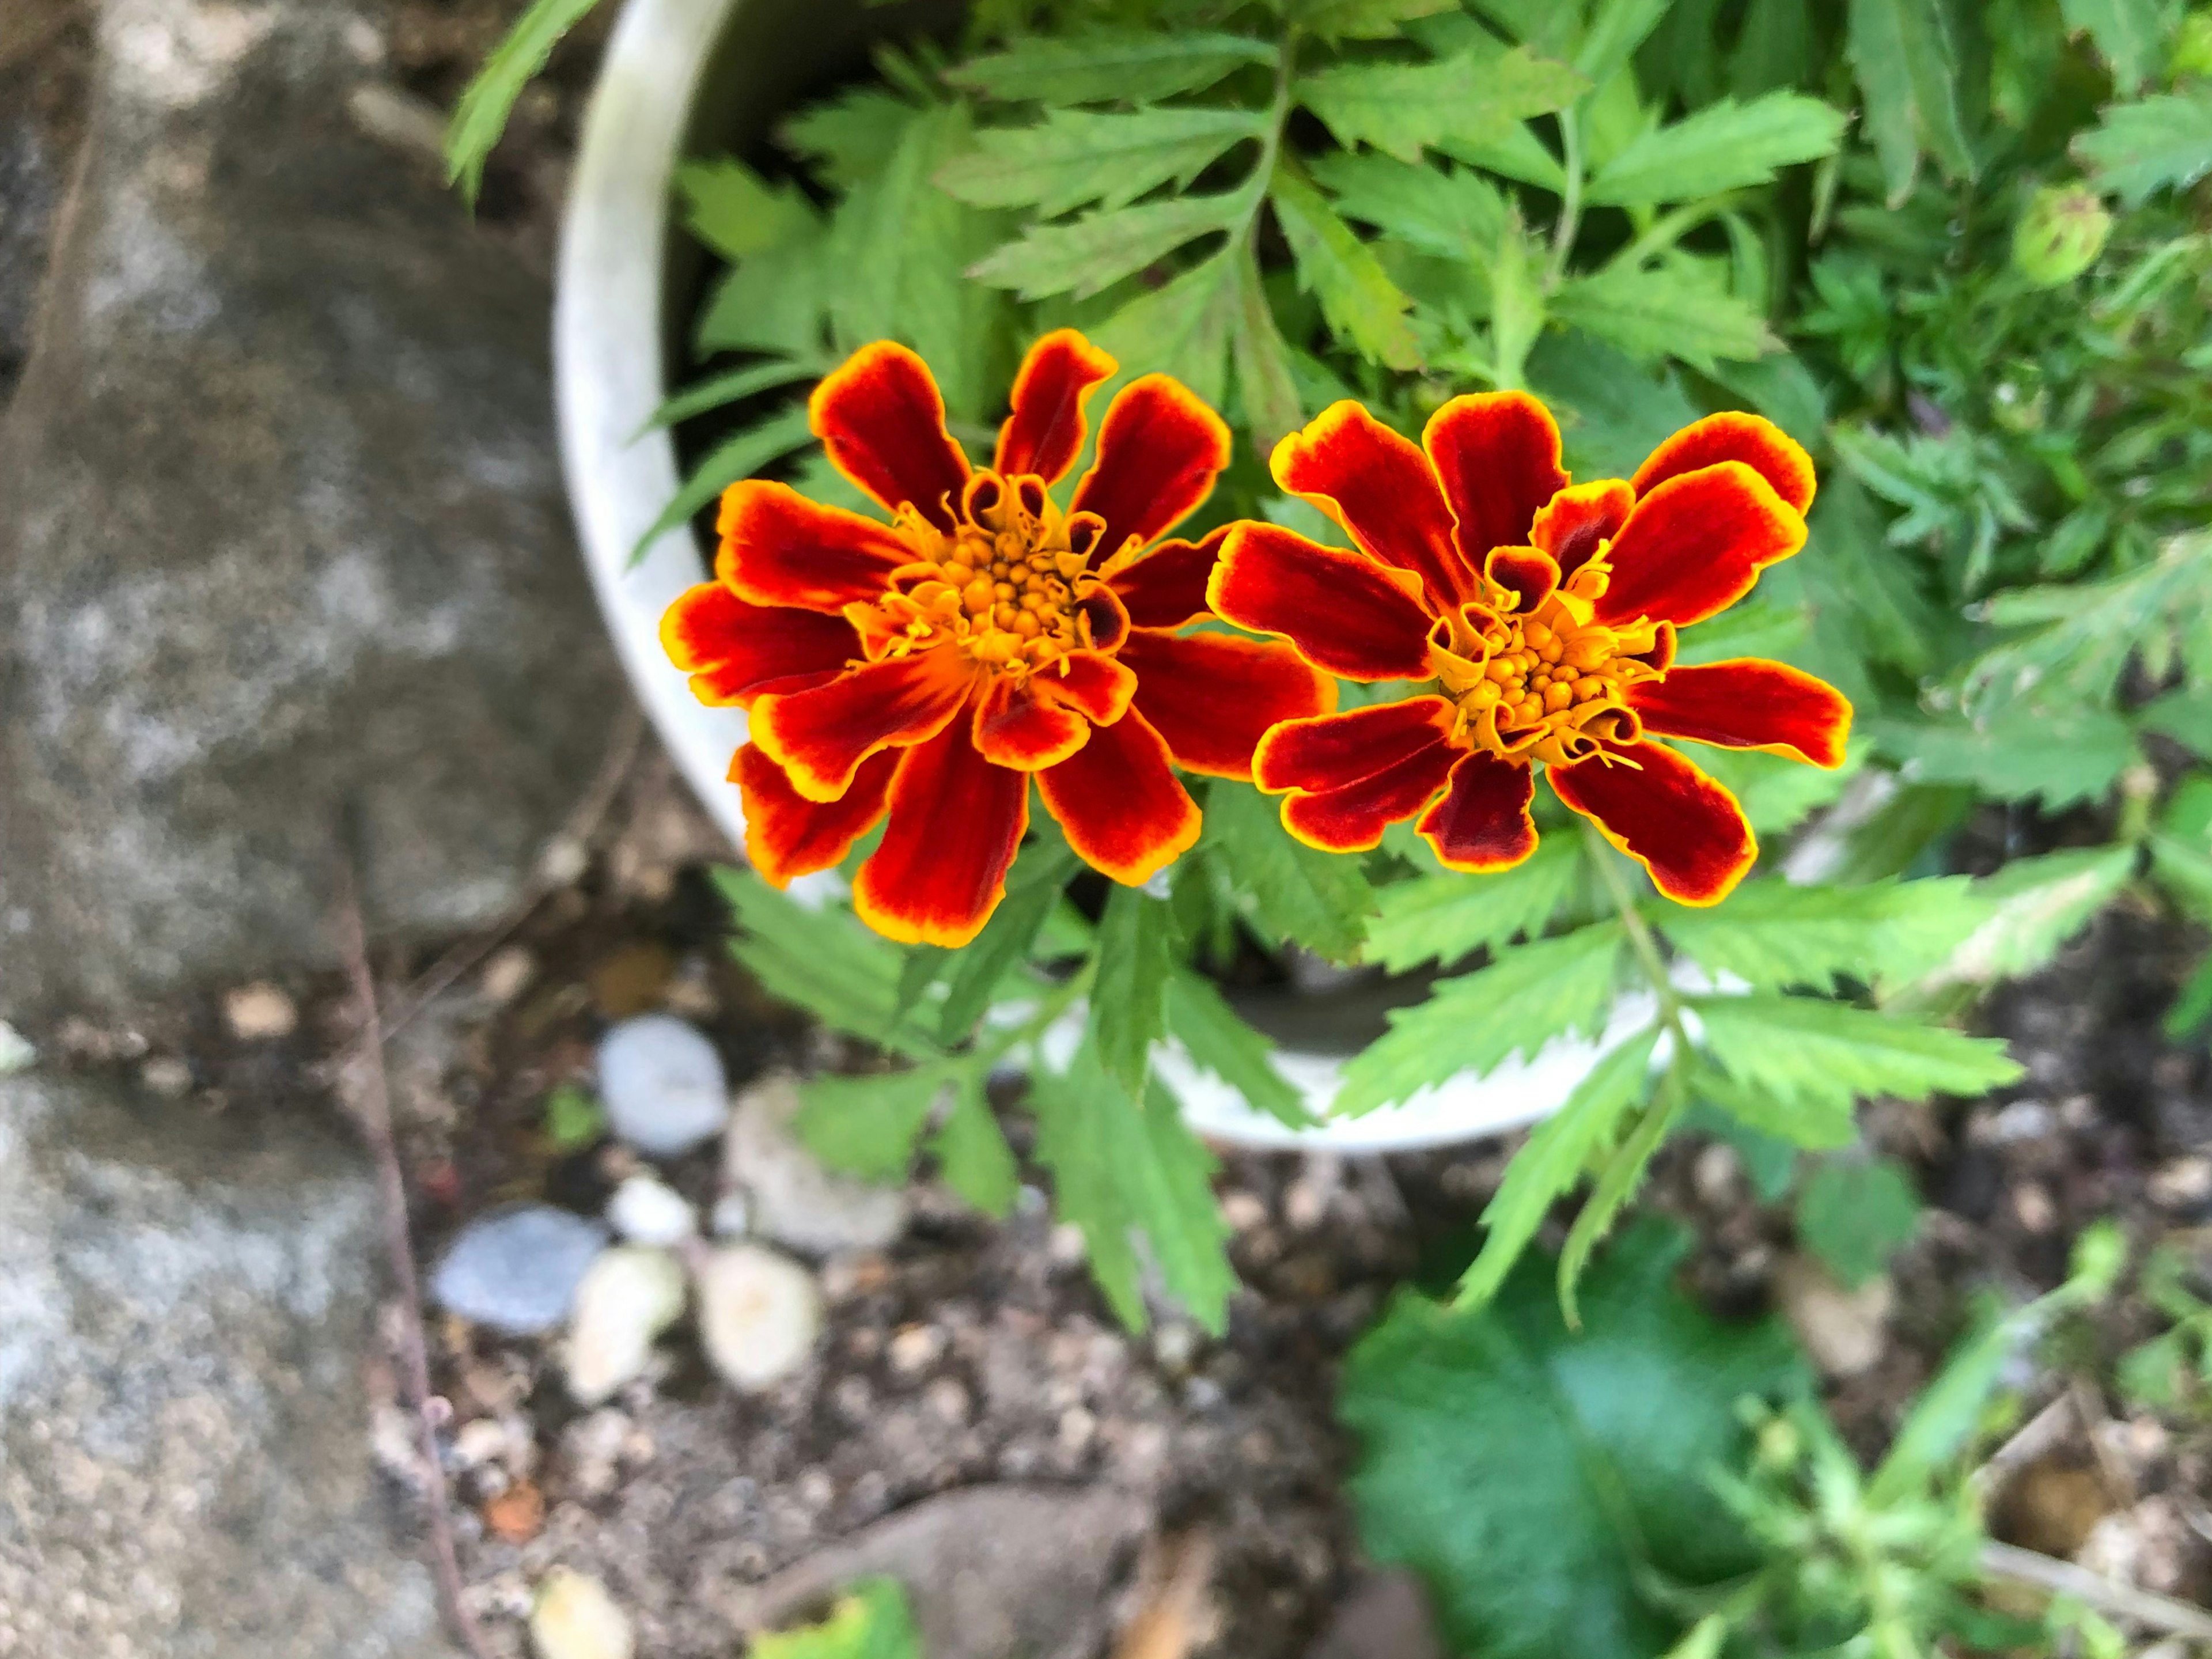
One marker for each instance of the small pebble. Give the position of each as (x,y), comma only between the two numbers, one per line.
(259,1013)
(17,1054)
(2182,1184)
(759,1314)
(167,1076)
(647,1209)
(947,1401)
(517,1270)
(730,1216)
(574,1617)
(1841,1330)
(628,1297)
(663,1085)
(517,1514)
(916,1348)
(1242,1210)
(795,1201)
(2032,1205)
(480,1442)
(505,974)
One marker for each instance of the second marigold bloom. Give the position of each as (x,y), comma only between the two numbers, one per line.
(1542,617)
(929,667)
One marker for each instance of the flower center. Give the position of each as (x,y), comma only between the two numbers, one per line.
(1542,680)
(1006,586)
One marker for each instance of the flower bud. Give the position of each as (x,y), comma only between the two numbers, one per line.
(2060,235)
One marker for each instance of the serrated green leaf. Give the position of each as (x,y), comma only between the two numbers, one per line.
(1074,157)
(822,961)
(1660,313)
(1552,1161)
(1402,109)
(980,967)
(1099,249)
(1773,935)
(849,139)
(777,300)
(2062,758)
(870,1620)
(1451,212)
(1119,1170)
(1801,1050)
(1614,413)
(1298,894)
(1617,1181)
(1266,388)
(1129,994)
(2181,846)
(972,1155)
(729,388)
(1362,19)
(1109,67)
(2158,142)
(740,455)
(2192,1004)
(2184,714)
(1775,790)
(1908,73)
(1219,1040)
(1447,919)
(1518,303)
(2130,34)
(1855,1214)
(1183,329)
(1540,1481)
(481,116)
(1475,1023)
(736,212)
(1725,146)
(866,1126)
(1617,29)
(1519,156)
(1362,304)
(1817,1125)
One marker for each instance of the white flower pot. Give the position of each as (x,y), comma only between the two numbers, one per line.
(614,339)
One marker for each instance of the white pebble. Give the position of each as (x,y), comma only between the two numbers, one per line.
(628,1297)
(663,1085)
(795,1201)
(645,1210)
(17,1054)
(732,1216)
(759,1314)
(259,1013)
(574,1617)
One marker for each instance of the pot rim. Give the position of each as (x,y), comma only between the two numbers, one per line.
(610,330)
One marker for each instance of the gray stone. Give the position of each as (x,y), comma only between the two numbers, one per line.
(517,1270)
(792,1198)
(281,539)
(185,1303)
(663,1085)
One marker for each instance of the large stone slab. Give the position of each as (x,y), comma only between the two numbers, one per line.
(281,532)
(185,1302)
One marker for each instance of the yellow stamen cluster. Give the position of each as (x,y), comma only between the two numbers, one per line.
(1005,586)
(1545,685)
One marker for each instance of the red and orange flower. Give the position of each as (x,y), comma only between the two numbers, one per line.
(929,667)
(1542,616)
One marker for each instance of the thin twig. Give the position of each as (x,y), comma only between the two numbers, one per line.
(374,1110)
(2105,1595)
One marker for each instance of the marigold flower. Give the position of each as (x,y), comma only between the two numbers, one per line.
(928,667)
(1542,616)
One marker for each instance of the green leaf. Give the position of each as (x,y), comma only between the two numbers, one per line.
(1615,414)
(822,961)
(1121,1170)
(738,456)
(2192,1004)
(1183,329)
(1099,249)
(776,300)
(1855,1214)
(574,1118)
(1818,1124)
(1908,73)
(866,1126)
(1362,19)
(1453,212)
(980,966)
(1218,1040)
(1519,156)
(1724,146)
(1773,935)
(849,139)
(1475,1023)
(1539,1481)
(729,388)
(736,212)
(1446,919)
(1552,1161)
(2131,36)
(481,116)
(1129,995)
(2076,756)
(2184,714)
(1265,384)
(1947,1411)
(2181,847)
(1298,893)
(2158,142)
(1474,98)
(1518,302)
(1616,29)
(1362,304)
(972,1155)
(1810,1054)
(869,1621)
(1660,313)
(1109,67)
(1076,156)
(1617,1181)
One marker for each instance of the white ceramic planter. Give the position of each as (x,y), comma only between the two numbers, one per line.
(612,334)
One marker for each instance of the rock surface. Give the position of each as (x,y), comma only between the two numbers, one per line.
(281,534)
(184,1471)
(517,1270)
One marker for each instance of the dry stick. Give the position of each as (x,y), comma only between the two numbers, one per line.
(2106,1595)
(374,1111)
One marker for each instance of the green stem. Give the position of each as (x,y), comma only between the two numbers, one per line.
(1669,228)
(1056,1002)
(1640,936)
(1271,141)
(1570,201)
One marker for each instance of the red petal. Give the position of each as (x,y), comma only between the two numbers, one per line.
(1119,801)
(1159,451)
(1528,571)
(1667,815)
(1109,618)
(1497,454)
(820,737)
(734,651)
(956,821)
(1044,432)
(1342,611)
(779,548)
(788,835)
(1378,486)
(1353,774)
(1482,822)
(1166,587)
(1734,437)
(1696,544)
(879,417)
(1091,683)
(1748,704)
(1579,519)
(1213,697)
(1016,727)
